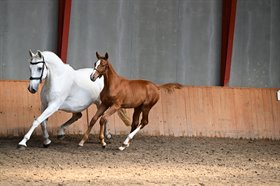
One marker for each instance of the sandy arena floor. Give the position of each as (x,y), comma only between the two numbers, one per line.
(148,161)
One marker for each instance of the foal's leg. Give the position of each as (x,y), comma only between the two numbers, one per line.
(135,118)
(144,121)
(102,108)
(103,121)
(134,125)
(106,131)
(61,131)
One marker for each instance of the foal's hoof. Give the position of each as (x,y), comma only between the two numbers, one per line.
(121,148)
(21,147)
(60,137)
(124,146)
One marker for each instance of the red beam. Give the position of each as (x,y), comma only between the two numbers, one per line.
(63,28)
(228,23)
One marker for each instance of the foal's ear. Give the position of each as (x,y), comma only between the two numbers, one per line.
(31,53)
(106,56)
(97,55)
(39,53)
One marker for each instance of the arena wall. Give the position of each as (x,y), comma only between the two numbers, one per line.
(191,111)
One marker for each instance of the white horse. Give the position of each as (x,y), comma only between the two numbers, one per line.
(64,89)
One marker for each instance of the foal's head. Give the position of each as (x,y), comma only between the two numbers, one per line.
(100,66)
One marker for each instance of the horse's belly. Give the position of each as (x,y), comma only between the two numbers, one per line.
(73,107)
(76,104)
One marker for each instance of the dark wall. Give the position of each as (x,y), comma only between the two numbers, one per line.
(256,50)
(24,25)
(159,40)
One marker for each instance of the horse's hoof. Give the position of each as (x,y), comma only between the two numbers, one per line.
(60,137)
(46,145)
(103,146)
(109,136)
(80,145)
(21,147)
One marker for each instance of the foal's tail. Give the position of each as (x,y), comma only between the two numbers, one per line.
(124,117)
(170,87)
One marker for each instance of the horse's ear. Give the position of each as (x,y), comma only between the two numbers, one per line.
(31,53)
(97,55)
(106,56)
(39,53)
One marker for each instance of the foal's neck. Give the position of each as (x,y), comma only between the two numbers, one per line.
(111,77)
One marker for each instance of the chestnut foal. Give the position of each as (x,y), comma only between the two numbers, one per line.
(119,92)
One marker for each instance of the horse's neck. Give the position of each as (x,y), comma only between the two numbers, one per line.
(54,62)
(111,78)
(56,68)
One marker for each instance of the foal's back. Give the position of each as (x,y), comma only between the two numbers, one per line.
(137,92)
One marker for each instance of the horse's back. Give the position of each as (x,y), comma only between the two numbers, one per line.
(83,91)
(83,77)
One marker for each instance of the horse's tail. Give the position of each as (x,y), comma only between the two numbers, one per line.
(170,87)
(124,117)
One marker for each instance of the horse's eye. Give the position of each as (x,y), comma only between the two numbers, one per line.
(39,68)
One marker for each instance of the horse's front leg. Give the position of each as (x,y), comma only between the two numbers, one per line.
(101,109)
(104,121)
(47,141)
(47,113)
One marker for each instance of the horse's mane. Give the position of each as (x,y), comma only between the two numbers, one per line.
(51,58)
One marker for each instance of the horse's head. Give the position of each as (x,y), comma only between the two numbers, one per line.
(38,71)
(100,66)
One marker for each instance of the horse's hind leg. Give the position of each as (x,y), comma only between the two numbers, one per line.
(61,131)
(107,133)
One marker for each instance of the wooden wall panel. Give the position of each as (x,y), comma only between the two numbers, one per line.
(174,119)
(17,109)
(191,111)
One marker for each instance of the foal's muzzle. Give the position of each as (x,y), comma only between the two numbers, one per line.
(93,77)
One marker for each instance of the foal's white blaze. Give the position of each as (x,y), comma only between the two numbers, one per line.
(97,63)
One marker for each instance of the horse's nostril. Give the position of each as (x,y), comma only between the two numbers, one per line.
(31,90)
